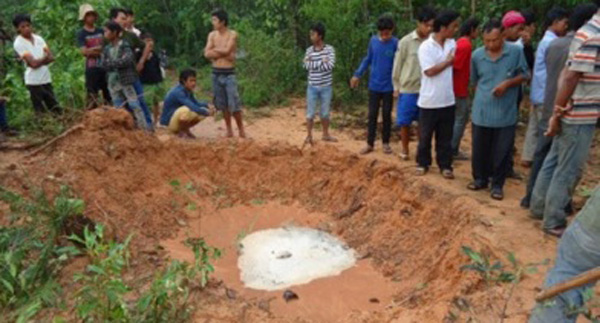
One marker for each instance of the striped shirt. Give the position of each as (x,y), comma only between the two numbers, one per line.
(584,57)
(319,65)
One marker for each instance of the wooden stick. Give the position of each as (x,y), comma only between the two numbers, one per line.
(578,281)
(55,140)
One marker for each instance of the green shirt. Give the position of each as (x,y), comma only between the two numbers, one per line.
(406,73)
(589,217)
(486,73)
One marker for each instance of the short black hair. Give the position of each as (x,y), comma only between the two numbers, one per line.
(444,18)
(113,26)
(581,14)
(114,12)
(468,26)
(529,16)
(556,13)
(221,15)
(425,14)
(128,11)
(21,18)
(319,28)
(186,74)
(385,22)
(492,24)
(597,2)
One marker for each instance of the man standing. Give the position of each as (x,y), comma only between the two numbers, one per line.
(556,57)
(406,76)
(557,21)
(152,77)
(380,57)
(319,61)
(498,70)
(141,55)
(36,55)
(131,22)
(90,41)
(220,49)
(119,62)
(436,96)
(469,31)
(573,124)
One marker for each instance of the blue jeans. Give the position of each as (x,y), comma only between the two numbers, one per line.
(461,118)
(3,120)
(560,173)
(139,90)
(315,95)
(127,94)
(578,251)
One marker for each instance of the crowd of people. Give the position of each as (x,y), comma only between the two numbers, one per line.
(439,83)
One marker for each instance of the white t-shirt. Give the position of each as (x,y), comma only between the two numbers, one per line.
(37,49)
(437,91)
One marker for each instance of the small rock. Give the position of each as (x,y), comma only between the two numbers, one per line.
(289,296)
(264,305)
(231,294)
(284,255)
(374,300)
(181,222)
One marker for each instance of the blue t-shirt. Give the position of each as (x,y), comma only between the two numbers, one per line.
(380,56)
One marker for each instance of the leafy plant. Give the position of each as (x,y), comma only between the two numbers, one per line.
(30,255)
(101,297)
(490,271)
(591,302)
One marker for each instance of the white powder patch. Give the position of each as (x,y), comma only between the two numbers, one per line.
(279,258)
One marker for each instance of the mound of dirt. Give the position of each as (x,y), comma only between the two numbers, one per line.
(132,182)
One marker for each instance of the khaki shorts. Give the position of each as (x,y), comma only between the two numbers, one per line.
(183,114)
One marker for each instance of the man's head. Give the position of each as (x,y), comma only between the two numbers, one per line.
(557,20)
(147,38)
(425,18)
(119,15)
(22,23)
(317,33)
(385,27)
(112,31)
(514,24)
(582,14)
(492,35)
(87,14)
(219,19)
(446,23)
(130,17)
(530,24)
(187,78)
(470,28)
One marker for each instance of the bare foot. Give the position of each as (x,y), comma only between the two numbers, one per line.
(189,134)
(229,134)
(242,134)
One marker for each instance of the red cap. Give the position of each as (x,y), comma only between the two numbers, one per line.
(512,18)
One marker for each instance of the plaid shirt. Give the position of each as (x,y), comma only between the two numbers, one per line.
(124,64)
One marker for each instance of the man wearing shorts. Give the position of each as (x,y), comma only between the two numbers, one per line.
(319,62)
(181,109)
(220,49)
(406,75)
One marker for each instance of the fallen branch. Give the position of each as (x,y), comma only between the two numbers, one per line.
(55,140)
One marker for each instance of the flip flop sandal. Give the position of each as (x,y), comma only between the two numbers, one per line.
(366,150)
(476,187)
(421,171)
(329,139)
(387,150)
(497,195)
(447,174)
(403,156)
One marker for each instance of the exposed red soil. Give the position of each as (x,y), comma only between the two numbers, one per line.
(411,230)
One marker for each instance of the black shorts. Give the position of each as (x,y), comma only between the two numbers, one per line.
(95,80)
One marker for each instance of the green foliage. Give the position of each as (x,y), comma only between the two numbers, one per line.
(168,297)
(591,302)
(490,271)
(101,297)
(30,256)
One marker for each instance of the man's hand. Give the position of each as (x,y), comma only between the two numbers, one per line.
(526,37)
(211,110)
(553,126)
(354,82)
(500,90)
(325,60)
(396,93)
(139,67)
(450,58)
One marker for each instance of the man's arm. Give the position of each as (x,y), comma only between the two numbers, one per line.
(194,105)
(523,77)
(440,67)
(127,59)
(399,60)
(366,62)
(209,50)
(327,64)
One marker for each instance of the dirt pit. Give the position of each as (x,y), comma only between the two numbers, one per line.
(407,234)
